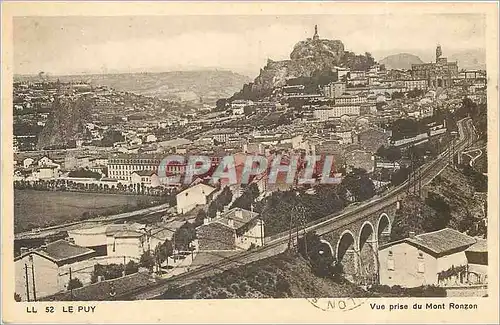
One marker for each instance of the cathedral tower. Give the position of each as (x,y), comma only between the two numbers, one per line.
(438,52)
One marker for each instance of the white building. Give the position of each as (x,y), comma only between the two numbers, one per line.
(193,196)
(38,273)
(238,106)
(416,84)
(350,100)
(146,177)
(417,260)
(151,138)
(27,162)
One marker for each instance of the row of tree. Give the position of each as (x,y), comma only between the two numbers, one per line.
(119,188)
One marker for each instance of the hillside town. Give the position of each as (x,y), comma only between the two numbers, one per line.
(374,128)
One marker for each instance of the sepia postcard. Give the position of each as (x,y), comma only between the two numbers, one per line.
(249,162)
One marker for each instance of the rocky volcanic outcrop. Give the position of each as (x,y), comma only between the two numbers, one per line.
(66,122)
(307,57)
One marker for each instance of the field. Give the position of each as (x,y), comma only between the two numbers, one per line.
(34,209)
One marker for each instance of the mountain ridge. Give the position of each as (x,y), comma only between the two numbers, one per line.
(196,86)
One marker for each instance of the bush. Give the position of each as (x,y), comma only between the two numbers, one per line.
(398,291)
(110,271)
(17,297)
(131,267)
(74,283)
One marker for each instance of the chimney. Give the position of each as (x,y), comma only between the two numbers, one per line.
(238,213)
(411,234)
(24,250)
(226,208)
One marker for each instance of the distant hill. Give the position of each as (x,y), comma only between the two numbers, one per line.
(470,59)
(401,61)
(183,86)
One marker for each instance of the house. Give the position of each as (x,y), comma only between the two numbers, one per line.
(418,260)
(359,159)
(151,138)
(38,270)
(477,262)
(164,231)
(27,162)
(238,106)
(146,177)
(193,196)
(372,139)
(45,161)
(46,172)
(235,229)
(126,240)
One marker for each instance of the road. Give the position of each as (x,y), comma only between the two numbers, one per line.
(279,244)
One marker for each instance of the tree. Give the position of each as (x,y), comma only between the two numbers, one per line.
(359,185)
(109,271)
(397,95)
(85,173)
(17,297)
(147,260)
(200,217)
(247,198)
(400,176)
(221,104)
(416,216)
(74,283)
(163,251)
(184,236)
(110,137)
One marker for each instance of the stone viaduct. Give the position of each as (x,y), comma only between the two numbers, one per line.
(354,244)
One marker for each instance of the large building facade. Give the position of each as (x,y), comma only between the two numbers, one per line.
(437,74)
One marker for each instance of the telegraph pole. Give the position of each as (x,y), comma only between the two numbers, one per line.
(27,282)
(33,276)
(290,229)
(70,278)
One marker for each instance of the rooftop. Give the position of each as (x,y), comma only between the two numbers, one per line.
(239,217)
(60,251)
(145,172)
(481,246)
(441,242)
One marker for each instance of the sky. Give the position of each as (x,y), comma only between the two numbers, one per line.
(75,45)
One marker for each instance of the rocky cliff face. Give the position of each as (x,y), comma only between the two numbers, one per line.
(66,122)
(306,58)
